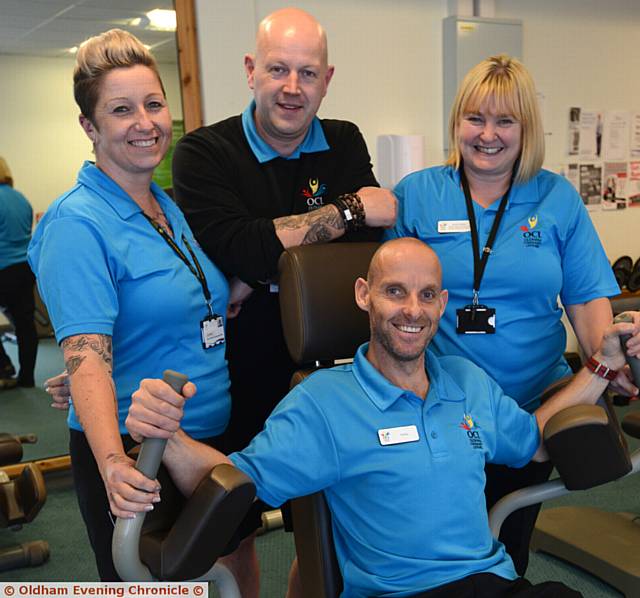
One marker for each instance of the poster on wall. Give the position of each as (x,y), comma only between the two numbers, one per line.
(591,185)
(591,126)
(634,149)
(573,131)
(615,136)
(614,183)
(569,172)
(633,187)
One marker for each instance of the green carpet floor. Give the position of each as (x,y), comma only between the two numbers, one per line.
(59,522)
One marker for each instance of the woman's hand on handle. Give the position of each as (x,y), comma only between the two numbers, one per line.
(156,409)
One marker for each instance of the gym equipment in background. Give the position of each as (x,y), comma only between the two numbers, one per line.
(21,499)
(622,269)
(633,284)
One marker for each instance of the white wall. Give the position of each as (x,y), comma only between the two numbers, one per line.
(40,136)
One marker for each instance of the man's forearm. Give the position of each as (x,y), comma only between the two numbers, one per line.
(319,226)
(376,206)
(188,461)
(585,389)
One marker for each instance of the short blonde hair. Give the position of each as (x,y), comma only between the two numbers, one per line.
(5,173)
(101,54)
(506,84)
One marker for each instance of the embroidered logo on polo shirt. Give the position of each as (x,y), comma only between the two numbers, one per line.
(530,236)
(473,431)
(313,194)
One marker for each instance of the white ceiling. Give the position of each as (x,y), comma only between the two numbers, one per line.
(50,27)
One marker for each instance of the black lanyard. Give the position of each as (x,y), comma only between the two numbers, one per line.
(197,271)
(480,263)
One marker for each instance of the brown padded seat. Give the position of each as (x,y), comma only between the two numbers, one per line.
(321,323)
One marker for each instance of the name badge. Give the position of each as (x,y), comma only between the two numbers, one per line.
(212,331)
(453,226)
(476,319)
(398,435)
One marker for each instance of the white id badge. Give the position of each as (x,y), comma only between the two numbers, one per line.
(453,226)
(398,435)
(212,331)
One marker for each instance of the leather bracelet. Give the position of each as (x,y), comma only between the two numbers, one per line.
(345,213)
(352,211)
(599,369)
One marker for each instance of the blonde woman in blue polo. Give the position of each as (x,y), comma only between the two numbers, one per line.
(535,245)
(126,284)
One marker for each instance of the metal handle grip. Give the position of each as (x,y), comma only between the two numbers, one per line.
(126,536)
(634,362)
(152,449)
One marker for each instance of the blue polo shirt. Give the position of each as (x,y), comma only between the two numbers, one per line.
(406,517)
(103,269)
(546,248)
(16,217)
(314,140)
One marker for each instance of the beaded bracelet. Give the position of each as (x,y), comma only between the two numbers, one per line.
(352,211)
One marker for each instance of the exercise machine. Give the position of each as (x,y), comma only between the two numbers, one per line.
(321,323)
(605,544)
(181,539)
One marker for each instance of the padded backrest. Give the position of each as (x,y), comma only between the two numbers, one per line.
(320,319)
(321,323)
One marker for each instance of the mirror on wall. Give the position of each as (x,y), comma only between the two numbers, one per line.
(45,147)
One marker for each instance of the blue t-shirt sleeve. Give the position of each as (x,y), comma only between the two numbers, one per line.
(586,272)
(294,455)
(76,279)
(516,431)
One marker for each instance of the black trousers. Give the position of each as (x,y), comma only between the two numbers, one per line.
(17,301)
(260,367)
(93,501)
(488,585)
(518,527)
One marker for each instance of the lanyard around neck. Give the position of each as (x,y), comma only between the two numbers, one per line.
(480,262)
(197,270)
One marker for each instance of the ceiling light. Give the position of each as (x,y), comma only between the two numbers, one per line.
(72,50)
(163,20)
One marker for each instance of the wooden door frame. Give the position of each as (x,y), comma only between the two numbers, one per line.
(189,64)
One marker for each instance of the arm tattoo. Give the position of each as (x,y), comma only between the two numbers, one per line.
(322,225)
(317,233)
(73,363)
(100,344)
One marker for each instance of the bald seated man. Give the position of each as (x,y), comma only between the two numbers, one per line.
(387,440)
(273,177)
